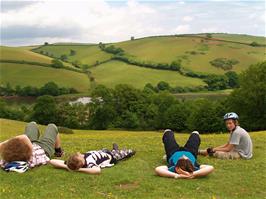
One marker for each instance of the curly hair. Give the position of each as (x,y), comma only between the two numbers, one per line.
(185,165)
(74,162)
(16,149)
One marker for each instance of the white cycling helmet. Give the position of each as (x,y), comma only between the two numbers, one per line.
(231,115)
(17,166)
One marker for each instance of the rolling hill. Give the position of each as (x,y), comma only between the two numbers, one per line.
(117,72)
(195,52)
(86,54)
(37,76)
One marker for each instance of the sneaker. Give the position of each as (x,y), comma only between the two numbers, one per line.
(115,147)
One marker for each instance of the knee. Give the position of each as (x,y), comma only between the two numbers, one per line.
(167,132)
(195,132)
(53,126)
(32,123)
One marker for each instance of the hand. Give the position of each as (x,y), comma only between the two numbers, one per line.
(183,176)
(210,151)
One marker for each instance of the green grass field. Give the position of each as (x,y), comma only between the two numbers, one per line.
(116,72)
(25,75)
(168,49)
(240,38)
(86,54)
(135,177)
(22,53)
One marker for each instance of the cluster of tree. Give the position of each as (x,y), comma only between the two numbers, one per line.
(129,108)
(165,86)
(221,82)
(49,88)
(111,49)
(224,63)
(254,44)
(175,65)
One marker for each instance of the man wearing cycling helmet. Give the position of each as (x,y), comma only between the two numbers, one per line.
(239,144)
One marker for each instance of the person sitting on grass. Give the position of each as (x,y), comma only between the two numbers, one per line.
(182,161)
(30,148)
(239,144)
(92,162)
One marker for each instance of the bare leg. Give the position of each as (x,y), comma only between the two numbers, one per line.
(57,142)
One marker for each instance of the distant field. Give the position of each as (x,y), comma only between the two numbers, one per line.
(135,178)
(22,53)
(212,95)
(168,49)
(240,38)
(86,54)
(25,75)
(116,72)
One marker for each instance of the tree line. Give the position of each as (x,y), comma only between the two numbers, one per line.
(125,107)
(49,88)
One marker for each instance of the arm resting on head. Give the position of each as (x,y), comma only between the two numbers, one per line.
(203,171)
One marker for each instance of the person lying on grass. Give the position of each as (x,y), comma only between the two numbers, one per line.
(92,162)
(31,148)
(239,144)
(182,161)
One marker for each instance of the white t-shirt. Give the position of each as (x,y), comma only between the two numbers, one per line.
(242,141)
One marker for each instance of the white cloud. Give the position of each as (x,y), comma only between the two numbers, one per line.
(99,20)
(187,18)
(184,28)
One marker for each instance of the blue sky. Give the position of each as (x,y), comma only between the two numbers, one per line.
(93,21)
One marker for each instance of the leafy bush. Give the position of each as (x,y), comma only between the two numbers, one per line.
(65,130)
(224,63)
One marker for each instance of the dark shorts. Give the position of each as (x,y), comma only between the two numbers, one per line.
(171,146)
(47,141)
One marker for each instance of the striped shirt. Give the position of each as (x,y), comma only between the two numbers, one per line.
(97,159)
(38,157)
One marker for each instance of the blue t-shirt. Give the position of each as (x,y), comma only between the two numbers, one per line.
(179,154)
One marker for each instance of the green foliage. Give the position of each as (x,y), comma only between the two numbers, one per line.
(224,63)
(233,81)
(254,44)
(65,130)
(114,50)
(249,101)
(163,86)
(11,113)
(49,88)
(63,57)
(44,111)
(206,117)
(72,52)
(208,35)
(216,82)
(57,63)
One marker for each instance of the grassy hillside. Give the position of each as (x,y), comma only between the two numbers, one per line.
(135,177)
(86,54)
(115,72)
(195,53)
(22,53)
(240,38)
(25,75)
